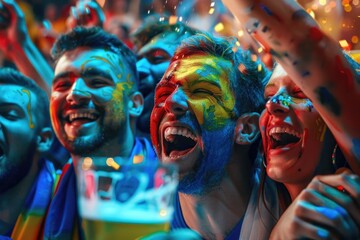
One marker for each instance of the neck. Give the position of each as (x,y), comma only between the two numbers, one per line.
(216,213)
(12,201)
(294,189)
(110,149)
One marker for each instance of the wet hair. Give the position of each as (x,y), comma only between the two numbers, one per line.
(95,38)
(155,25)
(11,76)
(247,76)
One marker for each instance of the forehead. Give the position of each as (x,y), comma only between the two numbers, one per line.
(14,94)
(200,67)
(168,41)
(279,77)
(82,57)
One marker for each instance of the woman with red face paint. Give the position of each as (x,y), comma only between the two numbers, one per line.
(315,89)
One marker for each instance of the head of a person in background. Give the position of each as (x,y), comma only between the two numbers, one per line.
(155,42)
(94,101)
(25,128)
(297,143)
(206,104)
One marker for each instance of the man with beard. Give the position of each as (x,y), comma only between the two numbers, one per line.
(94,106)
(27,180)
(156,41)
(205,119)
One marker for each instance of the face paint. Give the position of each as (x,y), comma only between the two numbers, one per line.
(27,92)
(89,101)
(294,132)
(194,103)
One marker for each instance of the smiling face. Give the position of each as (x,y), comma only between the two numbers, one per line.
(89,101)
(18,134)
(193,115)
(292,131)
(154,58)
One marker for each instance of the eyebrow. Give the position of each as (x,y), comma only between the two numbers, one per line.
(213,83)
(88,73)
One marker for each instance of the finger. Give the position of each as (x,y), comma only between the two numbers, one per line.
(331,217)
(305,230)
(346,201)
(350,182)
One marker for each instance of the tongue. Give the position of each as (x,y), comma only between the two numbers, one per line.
(81,121)
(175,153)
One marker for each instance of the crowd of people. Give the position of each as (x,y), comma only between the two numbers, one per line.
(263,152)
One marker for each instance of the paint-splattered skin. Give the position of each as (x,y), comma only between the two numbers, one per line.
(314,61)
(91,81)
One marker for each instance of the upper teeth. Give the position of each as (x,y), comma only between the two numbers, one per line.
(73,116)
(284,130)
(170,131)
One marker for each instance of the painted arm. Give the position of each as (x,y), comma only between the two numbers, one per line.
(328,208)
(315,62)
(16,44)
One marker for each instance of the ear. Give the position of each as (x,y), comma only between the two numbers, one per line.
(247,128)
(45,139)
(136,104)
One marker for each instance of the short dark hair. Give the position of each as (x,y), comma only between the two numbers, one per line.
(11,76)
(156,24)
(96,38)
(249,74)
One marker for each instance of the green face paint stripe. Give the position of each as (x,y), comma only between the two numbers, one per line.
(27,92)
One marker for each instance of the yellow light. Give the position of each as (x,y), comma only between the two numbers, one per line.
(172,20)
(240,33)
(347,8)
(322,2)
(259,68)
(344,44)
(111,163)
(237,43)
(219,27)
(138,159)
(211,11)
(354,39)
(260,50)
(311,12)
(87,163)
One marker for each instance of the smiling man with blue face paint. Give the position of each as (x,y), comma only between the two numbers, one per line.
(205,120)
(94,105)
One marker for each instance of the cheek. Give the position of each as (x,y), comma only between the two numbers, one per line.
(155,118)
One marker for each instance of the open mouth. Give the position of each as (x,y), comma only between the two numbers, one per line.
(178,141)
(81,118)
(283,136)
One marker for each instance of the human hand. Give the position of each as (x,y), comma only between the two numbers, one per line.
(329,208)
(13,31)
(86,13)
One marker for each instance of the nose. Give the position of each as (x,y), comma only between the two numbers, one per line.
(176,103)
(79,93)
(278,104)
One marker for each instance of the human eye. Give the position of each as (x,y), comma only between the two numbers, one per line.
(162,93)
(9,114)
(62,85)
(158,56)
(297,93)
(204,91)
(98,82)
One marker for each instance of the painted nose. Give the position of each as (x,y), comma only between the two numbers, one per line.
(79,93)
(278,104)
(176,103)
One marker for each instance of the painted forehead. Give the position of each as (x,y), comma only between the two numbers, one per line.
(168,41)
(199,67)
